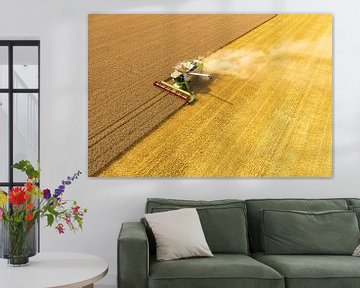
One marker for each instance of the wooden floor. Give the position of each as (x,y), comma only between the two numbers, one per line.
(267,114)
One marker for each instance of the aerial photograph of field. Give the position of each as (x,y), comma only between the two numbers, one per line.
(220,95)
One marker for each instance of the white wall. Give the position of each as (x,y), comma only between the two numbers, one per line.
(62,28)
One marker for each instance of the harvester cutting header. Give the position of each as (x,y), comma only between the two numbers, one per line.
(180,80)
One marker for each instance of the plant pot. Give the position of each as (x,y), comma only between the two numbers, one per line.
(17,242)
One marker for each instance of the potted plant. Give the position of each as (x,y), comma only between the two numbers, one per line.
(21,208)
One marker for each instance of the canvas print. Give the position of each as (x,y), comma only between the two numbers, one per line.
(238,95)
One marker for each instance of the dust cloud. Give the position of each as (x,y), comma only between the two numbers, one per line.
(243,63)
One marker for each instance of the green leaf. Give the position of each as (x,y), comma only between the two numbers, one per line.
(79,221)
(53,211)
(26,167)
(50,219)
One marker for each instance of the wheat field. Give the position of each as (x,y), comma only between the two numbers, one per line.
(268,114)
(127,53)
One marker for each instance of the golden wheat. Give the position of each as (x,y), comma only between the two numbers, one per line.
(271,119)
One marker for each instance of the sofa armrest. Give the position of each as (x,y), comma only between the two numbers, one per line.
(133,256)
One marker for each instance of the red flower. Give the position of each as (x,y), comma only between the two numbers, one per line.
(29,217)
(17,196)
(68,219)
(75,209)
(29,206)
(27,196)
(60,228)
(28,186)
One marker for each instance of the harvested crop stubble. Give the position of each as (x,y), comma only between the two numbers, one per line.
(127,53)
(267,116)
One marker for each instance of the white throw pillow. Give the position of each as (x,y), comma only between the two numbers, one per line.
(178,234)
(357,251)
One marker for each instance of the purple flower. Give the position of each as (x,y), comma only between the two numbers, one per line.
(46,194)
(58,192)
(68,181)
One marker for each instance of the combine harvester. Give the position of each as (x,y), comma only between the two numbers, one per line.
(179,82)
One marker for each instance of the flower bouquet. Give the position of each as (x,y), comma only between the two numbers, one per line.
(21,208)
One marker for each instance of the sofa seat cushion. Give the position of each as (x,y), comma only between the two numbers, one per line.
(314,271)
(222,270)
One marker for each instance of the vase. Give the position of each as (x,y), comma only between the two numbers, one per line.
(18,242)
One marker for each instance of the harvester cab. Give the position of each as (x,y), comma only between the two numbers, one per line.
(179,81)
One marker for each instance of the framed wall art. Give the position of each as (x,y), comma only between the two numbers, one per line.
(238,95)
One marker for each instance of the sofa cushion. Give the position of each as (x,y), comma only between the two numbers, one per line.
(353,201)
(254,207)
(178,234)
(314,271)
(297,232)
(222,270)
(356,209)
(354,205)
(223,221)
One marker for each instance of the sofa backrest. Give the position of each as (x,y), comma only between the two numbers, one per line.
(256,205)
(353,202)
(223,221)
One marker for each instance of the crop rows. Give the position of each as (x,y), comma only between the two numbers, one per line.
(127,53)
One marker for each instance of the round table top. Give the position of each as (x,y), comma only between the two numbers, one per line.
(59,269)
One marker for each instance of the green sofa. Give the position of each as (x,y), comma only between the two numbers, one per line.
(235,234)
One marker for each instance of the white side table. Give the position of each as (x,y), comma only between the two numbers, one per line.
(50,270)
